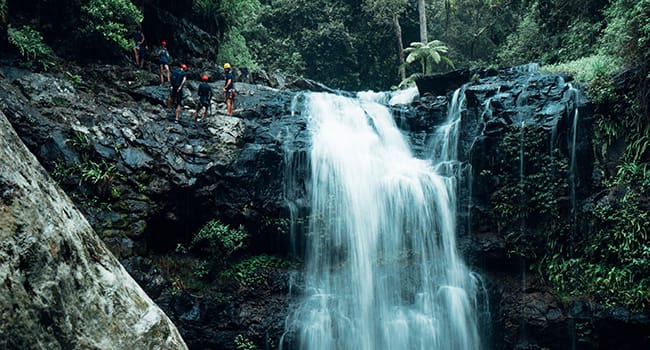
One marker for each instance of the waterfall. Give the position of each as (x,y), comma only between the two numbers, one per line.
(572,108)
(381,266)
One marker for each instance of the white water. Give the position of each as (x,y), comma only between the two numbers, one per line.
(382,270)
(573,97)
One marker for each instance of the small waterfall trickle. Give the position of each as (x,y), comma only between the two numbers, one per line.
(522,197)
(572,95)
(572,110)
(382,270)
(522,213)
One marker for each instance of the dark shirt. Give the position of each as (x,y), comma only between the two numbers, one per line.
(137,36)
(205,92)
(177,78)
(231,77)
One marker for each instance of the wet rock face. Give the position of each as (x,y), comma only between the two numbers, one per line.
(62,289)
(143,181)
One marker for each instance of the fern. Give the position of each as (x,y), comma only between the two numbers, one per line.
(29,43)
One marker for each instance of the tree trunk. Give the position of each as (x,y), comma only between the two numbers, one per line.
(422,11)
(400,46)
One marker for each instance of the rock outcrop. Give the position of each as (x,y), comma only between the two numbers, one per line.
(61,288)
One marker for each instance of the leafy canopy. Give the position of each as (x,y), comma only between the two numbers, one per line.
(112,19)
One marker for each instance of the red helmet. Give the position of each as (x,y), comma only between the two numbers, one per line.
(204,78)
(164,43)
(183,66)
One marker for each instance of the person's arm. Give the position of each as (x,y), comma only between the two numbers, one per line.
(182,83)
(141,39)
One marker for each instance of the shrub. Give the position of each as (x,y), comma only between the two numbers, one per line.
(246,272)
(214,244)
(112,19)
(218,240)
(587,69)
(29,43)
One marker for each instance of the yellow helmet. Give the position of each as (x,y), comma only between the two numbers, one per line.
(226,66)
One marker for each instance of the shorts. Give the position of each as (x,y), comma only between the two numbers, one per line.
(204,103)
(230,94)
(177,97)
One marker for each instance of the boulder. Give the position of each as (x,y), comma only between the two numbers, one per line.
(62,288)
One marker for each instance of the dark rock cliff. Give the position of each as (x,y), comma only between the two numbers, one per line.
(146,184)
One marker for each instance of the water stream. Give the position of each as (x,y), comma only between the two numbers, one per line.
(381,266)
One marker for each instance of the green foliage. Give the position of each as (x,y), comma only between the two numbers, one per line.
(619,117)
(579,40)
(231,17)
(79,141)
(614,259)
(628,30)
(29,43)
(214,243)
(235,50)
(331,50)
(587,69)
(611,256)
(74,78)
(112,19)
(530,194)
(526,43)
(95,173)
(218,240)
(243,343)
(246,272)
(428,55)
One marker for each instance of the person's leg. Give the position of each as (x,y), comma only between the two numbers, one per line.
(196,112)
(229,106)
(169,78)
(136,54)
(162,80)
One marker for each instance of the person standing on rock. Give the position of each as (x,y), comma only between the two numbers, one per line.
(229,88)
(177,80)
(205,95)
(138,38)
(164,60)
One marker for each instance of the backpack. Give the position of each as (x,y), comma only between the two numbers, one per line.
(177,78)
(163,57)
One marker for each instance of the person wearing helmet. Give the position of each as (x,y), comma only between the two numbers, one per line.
(164,60)
(177,80)
(205,95)
(229,88)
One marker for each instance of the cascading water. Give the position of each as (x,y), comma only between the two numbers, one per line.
(382,270)
(572,108)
